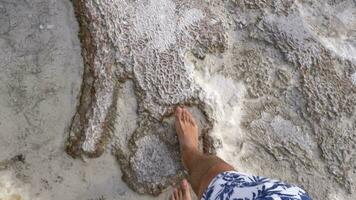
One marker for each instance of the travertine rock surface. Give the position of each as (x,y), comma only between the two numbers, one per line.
(291,62)
(271,83)
(144,42)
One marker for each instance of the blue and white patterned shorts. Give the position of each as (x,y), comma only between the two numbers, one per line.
(233,185)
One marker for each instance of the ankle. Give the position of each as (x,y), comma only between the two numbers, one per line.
(188,152)
(189,156)
(188,147)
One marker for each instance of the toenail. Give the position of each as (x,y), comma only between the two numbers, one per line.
(185,184)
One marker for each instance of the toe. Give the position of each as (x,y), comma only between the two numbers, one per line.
(188,117)
(172,197)
(185,190)
(185,115)
(178,112)
(180,195)
(184,185)
(176,194)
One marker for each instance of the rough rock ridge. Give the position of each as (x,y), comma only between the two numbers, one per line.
(295,60)
(143,42)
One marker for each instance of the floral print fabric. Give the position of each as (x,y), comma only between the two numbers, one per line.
(233,185)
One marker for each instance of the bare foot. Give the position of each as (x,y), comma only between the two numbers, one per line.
(181,193)
(187,131)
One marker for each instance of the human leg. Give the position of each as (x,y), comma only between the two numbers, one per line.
(226,183)
(201,168)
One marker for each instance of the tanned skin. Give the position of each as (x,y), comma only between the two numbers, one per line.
(201,168)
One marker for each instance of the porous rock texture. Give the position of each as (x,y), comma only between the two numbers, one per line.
(272,84)
(143,42)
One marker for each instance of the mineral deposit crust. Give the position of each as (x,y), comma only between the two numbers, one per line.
(294,59)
